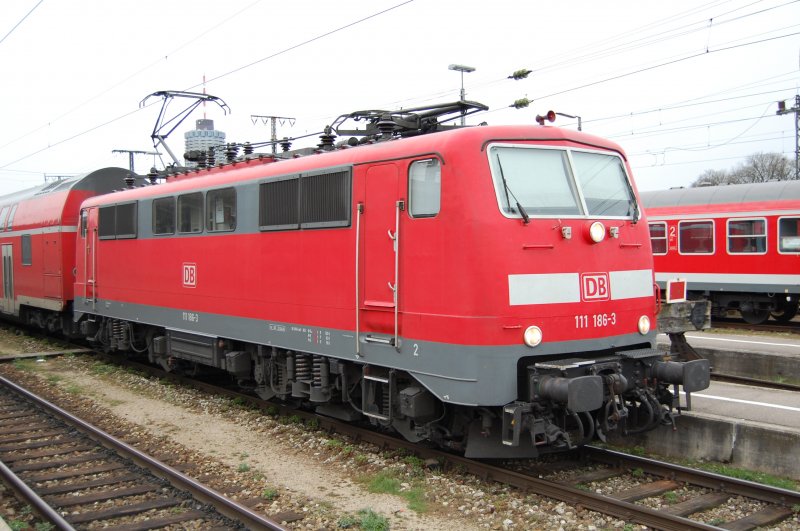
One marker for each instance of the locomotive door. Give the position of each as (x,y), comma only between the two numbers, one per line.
(381,237)
(7,300)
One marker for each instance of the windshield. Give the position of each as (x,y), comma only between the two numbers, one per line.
(560,182)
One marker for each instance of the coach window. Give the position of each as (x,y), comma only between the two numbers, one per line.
(221,210)
(696,237)
(27,252)
(11,217)
(190,213)
(658,237)
(424,188)
(789,235)
(164,215)
(3,216)
(747,236)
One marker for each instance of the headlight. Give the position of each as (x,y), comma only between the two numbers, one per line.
(532,336)
(644,325)
(597,232)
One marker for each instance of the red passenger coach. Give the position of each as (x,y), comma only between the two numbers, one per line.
(37,235)
(738,245)
(488,289)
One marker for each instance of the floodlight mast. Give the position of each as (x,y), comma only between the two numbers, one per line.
(158,136)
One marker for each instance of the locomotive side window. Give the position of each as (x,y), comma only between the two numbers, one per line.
(190,213)
(106,223)
(221,210)
(3,215)
(164,215)
(696,237)
(278,207)
(117,221)
(11,217)
(424,188)
(604,184)
(27,251)
(126,222)
(747,236)
(789,235)
(658,237)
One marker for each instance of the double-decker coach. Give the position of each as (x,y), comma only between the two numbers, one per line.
(37,238)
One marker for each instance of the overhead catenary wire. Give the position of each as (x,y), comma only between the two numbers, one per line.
(125,115)
(619,46)
(21,21)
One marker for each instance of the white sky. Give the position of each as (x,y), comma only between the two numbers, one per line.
(683,86)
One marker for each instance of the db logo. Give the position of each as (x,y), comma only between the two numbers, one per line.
(189,275)
(595,287)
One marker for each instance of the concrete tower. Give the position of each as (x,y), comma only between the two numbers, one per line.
(203,137)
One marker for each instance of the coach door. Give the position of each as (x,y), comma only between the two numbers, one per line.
(8,279)
(381,217)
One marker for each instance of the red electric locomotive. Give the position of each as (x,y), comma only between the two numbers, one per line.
(488,289)
(37,236)
(737,245)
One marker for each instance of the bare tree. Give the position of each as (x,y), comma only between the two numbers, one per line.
(758,168)
(711,178)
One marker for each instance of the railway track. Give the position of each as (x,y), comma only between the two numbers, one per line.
(699,492)
(76,476)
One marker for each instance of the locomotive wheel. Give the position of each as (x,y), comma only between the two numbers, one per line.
(755,317)
(785,312)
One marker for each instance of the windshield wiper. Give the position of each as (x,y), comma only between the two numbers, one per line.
(525,218)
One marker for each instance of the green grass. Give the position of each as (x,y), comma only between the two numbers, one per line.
(24,365)
(366,520)
(718,468)
(387,483)
(269,494)
(749,475)
(671,497)
(243,467)
(102,369)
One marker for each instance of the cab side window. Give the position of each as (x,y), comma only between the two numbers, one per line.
(424,188)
